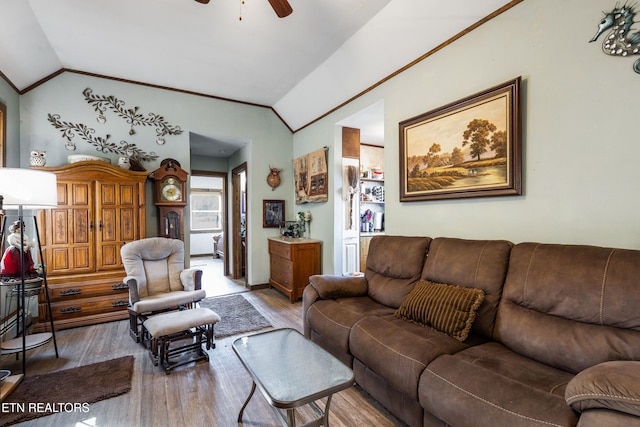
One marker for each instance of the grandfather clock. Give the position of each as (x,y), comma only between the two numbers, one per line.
(171,192)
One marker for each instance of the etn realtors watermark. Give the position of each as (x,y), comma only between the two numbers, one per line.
(43,408)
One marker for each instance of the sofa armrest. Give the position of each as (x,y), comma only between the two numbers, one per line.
(330,287)
(132,284)
(191,279)
(611,385)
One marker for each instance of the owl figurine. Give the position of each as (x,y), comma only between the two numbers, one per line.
(124,163)
(38,158)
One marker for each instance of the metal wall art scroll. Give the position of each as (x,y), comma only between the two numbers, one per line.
(619,40)
(101,104)
(69,131)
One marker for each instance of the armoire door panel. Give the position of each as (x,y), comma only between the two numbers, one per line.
(59,262)
(108,194)
(127,224)
(109,257)
(81,194)
(107,228)
(60,219)
(62,194)
(82,258)
(127,195)
(81,226)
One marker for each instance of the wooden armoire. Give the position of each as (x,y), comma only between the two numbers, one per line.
(100,208)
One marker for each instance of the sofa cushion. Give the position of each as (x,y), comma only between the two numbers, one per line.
(449,309)
(397,350)
(473,264)
(490,385)
(575,299)
(394,265)
(333,320)
(608,385)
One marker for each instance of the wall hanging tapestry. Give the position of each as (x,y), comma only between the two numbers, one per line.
(310,175)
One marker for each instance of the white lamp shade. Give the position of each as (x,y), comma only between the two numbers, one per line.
(31,189)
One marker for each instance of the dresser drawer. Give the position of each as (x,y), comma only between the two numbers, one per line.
(88,306)
(74,291)
(282,250)
(281,271)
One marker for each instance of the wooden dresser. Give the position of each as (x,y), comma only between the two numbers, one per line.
(292,261)
(100,208)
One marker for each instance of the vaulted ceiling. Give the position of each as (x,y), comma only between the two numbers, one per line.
(323,54)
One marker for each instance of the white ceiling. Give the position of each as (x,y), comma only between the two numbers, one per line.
(304,65)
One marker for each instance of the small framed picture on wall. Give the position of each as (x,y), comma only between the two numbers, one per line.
(272,213)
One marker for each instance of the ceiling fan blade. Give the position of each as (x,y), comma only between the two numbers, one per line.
(203,1)
(281,7)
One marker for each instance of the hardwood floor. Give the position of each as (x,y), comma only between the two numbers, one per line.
(204,394)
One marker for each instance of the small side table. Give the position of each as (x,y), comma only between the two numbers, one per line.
(291,371)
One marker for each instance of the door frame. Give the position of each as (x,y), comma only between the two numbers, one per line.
(238,255)
(225,212)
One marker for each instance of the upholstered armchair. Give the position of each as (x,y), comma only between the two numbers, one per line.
(157,279)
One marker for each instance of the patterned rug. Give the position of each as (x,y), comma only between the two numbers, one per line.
(67,390)
(237,315)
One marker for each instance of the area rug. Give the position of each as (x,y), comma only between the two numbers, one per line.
(237,315)
(69,390)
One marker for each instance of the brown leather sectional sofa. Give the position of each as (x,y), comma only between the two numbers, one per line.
(555,341)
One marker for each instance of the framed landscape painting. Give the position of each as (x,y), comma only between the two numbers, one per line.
(469,148)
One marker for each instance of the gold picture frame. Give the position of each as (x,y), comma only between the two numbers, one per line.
(468,148)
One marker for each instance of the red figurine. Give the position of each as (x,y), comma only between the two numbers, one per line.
(10,263)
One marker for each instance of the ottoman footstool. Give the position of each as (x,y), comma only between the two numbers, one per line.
(176,338)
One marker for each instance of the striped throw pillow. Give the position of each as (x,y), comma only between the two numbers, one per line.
(449,309)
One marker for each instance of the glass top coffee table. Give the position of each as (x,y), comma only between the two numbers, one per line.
(291,371)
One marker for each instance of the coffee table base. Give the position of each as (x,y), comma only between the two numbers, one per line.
(290,419)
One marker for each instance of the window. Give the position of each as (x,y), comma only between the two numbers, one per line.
(206,210)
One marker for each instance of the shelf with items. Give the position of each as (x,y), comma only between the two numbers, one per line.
(371,191)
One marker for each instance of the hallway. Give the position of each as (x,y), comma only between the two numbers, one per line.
(213,280)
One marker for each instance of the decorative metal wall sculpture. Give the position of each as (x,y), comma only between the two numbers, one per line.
(101,103)
(620,41)
(103,145)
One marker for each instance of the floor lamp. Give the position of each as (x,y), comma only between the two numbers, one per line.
(27,189)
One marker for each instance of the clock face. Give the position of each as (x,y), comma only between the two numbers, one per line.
(170,191)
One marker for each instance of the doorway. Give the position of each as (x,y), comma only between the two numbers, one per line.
(207,192)
(364,212)
(239,232)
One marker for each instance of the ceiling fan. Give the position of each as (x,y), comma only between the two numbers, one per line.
(281,7)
